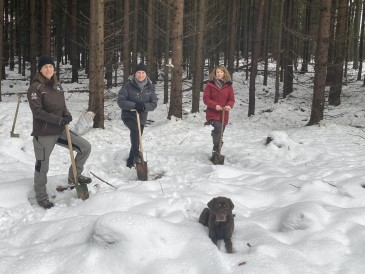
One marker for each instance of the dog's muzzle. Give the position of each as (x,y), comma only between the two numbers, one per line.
(220,218)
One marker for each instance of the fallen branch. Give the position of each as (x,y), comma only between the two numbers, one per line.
(102,180)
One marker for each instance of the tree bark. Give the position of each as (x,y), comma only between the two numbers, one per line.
(278,52)
(323,39)
(33,38)
(288,60)
(177,60)
(135,35)
(255,56)
(362,38)
(306,53)
(151,64)
(334,97)
(199,60)
(96,62)
(1,42)
(126,42)
(232,36)
(74,41)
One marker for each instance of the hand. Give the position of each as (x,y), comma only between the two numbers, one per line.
(140,107)
(227,108)
(66,120)
(218,107)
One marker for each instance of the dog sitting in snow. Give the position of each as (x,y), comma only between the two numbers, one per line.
(218,218)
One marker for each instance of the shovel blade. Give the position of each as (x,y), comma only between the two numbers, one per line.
(82,191)
(142,171)
(14,135)
(218,159)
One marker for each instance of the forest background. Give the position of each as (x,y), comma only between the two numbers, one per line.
(184,39)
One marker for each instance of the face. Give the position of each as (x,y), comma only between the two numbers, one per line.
(219,74)
(47,71)
(140,75)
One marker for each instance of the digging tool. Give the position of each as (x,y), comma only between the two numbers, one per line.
(218,158)
(141,167)
(12,134)
(81,189)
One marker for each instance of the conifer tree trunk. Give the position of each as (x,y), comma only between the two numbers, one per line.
(255,56)
(33,50)
(167,56)
(306,53)
(361,47)
(1,41)
(278,51)
(135,34)
(177,60)
(126,51)
(288,59)
(232,36)
(199,60)
(334,97)
(151,64)
(74,41)
(356,32)
(96,62)
(324,33)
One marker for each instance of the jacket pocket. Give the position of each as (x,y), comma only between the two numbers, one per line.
(39,150)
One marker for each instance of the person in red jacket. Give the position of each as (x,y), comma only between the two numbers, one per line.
(218,96)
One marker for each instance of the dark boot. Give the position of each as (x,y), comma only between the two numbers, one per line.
(46,204)
(214,157)
(215,137)
(130,162)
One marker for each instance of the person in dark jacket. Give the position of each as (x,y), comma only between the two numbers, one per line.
(218,96)
(50,115)
(138,94)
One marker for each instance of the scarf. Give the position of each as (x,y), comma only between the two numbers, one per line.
(219,83)
(141,84)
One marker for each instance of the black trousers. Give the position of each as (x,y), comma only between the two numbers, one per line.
(133,127)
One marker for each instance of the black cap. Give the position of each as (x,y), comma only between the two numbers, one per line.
(141,67)
(44,60)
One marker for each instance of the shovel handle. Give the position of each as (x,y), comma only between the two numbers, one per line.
(139,131)
(73,164)
(221,133)
(16,114)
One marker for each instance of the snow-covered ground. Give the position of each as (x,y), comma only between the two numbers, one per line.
(299,201)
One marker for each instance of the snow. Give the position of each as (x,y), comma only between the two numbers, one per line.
(299,201)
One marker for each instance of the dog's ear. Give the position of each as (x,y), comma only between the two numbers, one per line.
(211,203)
(231,203)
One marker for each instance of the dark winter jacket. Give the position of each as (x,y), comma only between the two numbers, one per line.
(47,102)
(130,94)
(213,96)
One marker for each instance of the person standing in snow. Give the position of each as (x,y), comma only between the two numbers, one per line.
(218,96)
(138,94)
(50,115)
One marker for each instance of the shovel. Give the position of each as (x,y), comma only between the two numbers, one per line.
(81,189)
(218,159)
(142,170)
(12,134)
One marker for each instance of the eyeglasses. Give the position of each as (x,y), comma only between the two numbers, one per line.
(47,67)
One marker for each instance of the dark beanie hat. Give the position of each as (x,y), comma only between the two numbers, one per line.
(44,60)
(142,67)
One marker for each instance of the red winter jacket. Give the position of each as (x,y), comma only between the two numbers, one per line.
(214,96)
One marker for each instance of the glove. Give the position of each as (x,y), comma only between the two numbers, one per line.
(140,107)
(66,120)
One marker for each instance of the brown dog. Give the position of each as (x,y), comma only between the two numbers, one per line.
(218,218)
